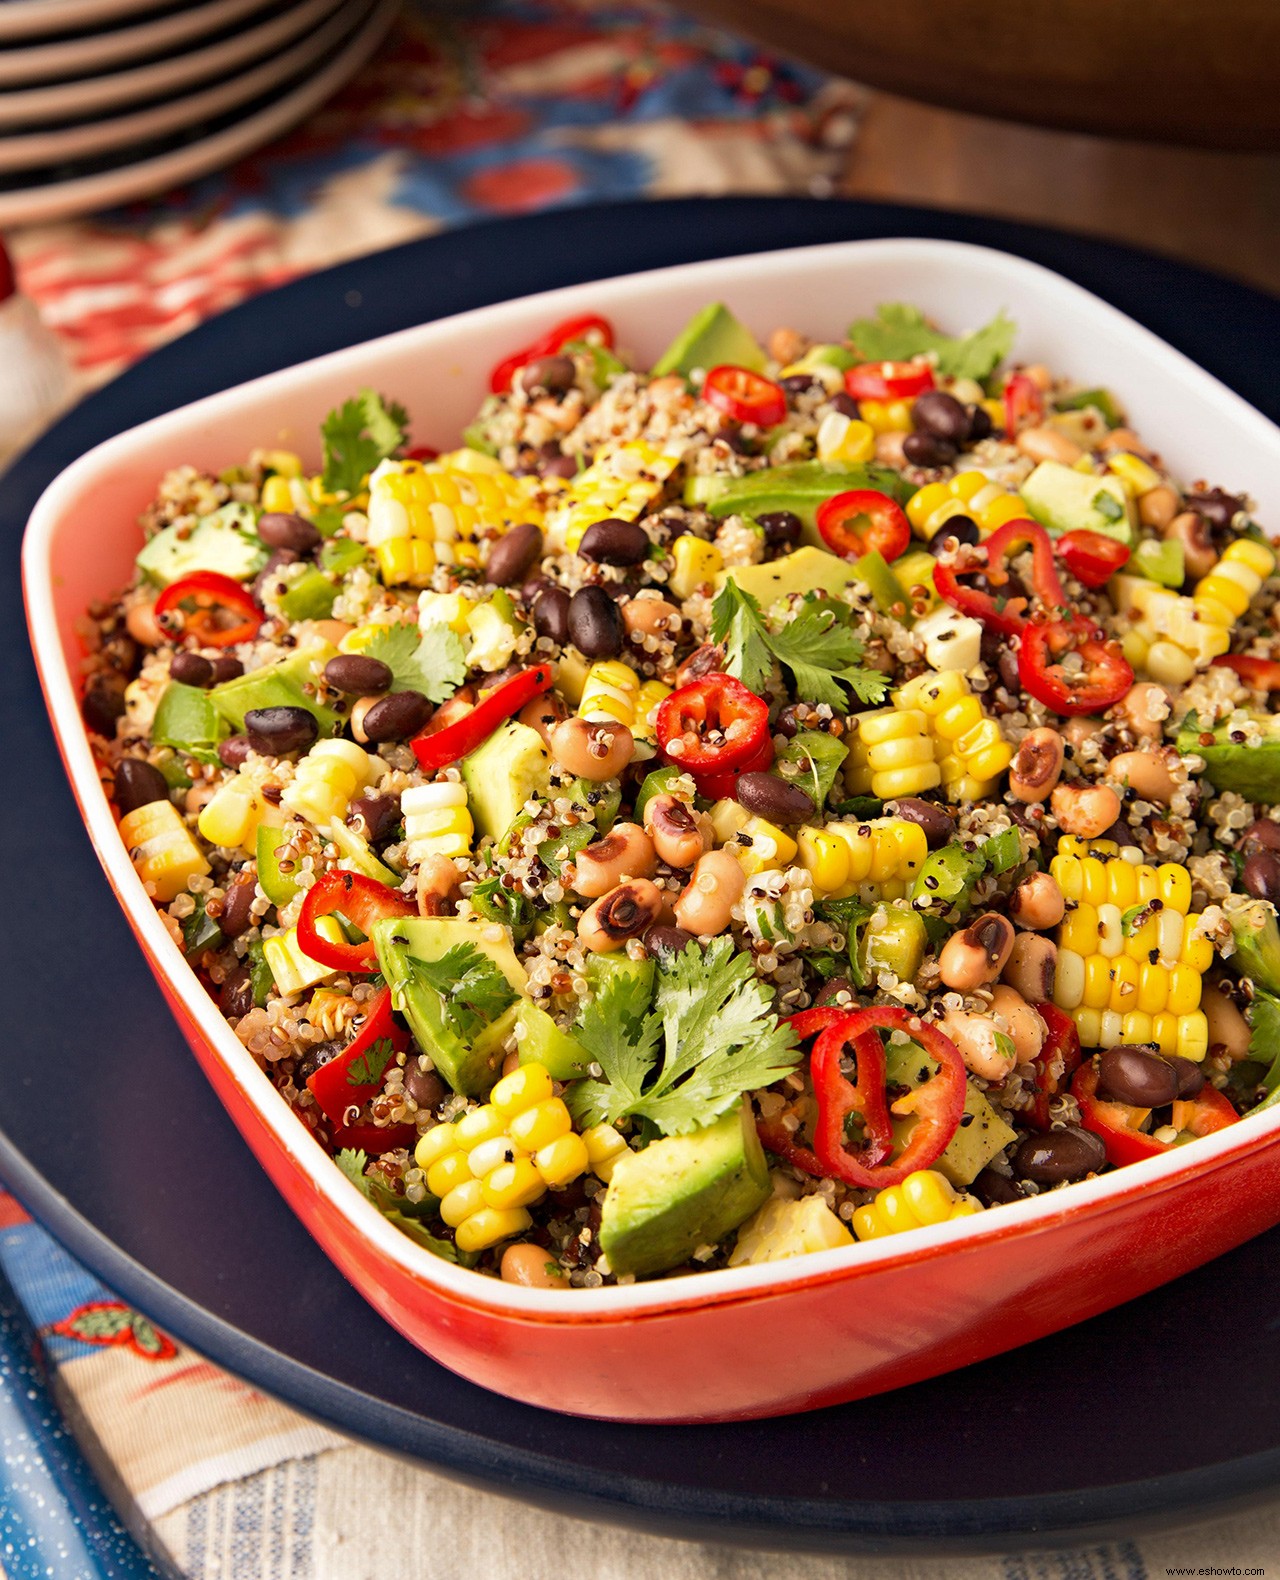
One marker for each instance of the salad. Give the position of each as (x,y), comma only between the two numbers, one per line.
(775,799)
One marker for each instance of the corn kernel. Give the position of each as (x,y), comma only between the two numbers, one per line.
(694,562)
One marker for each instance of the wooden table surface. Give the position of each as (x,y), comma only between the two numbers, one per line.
(1220,210)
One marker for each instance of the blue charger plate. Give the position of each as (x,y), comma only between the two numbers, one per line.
(1158,1412)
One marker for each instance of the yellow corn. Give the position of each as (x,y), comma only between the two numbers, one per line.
(923,1197)
(327,779)
(437,821)
(893,750)
(1138,476)
(876,860)
(694,562)
(162,850)
(230,818)
(1226,592)
(610,692)
(292,970)
(491,1165)
(845,440)
(886,416)
(969,747)
(648,700)
(1169,636)
(428,513)
(966,494)
(622,481)
(604,1147)
(277,495)
(285,463)
(784,1228)
(769,848)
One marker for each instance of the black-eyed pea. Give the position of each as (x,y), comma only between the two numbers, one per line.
(1078,732)
(358,711)
(679,834)
(1037,765)
(544,713)
(1146,774)
(624,913)
(1125,439)
(714,888)
(1144,708)
(1021,1021)
(977,1038)
(437,883)
(1157,507)
(532,1267)
(1031,967)
(1048,444)
(1087,811)
(1227,1026)
(1198,551)
(592,749)
(648,616)
(142,625)
(889,451)
(1037,902)
(976,954)
(626,851)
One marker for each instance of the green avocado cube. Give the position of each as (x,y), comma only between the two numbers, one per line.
(503,773)
(982,1133)
(1064,500)
(1250,769)
(291,682)
(224,542)
(541,1041)
(712,337)
(805,570)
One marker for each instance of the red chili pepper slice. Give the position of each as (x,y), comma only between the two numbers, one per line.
(1056,1063)
(718,787)
(549,345)
(745,396)
(888,380)
(1259,674)
(1104,675)
(337,1086)
(1023,404)
(1004,614)
(436,748)
(422,452)
(711,725)
(937,1105)
(373,1139)
(363,901)
(1117,1124)
(222,614)
(1092,557)
(862,520)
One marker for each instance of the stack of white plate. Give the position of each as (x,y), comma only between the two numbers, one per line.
(105,101)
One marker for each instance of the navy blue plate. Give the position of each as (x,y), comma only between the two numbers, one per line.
(1159,1411)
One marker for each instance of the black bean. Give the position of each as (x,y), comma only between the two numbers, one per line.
(103,702)
(800,384)
(995,1190)
(226,668)
(234,750)
(1059,1155)
(237,907)
(1218,509)
(956,529)
(548,376)
(1120,833)
(980,424)
(379,813)
(614,542)
(236,998)
(1261,835)
(1136,1075)
(738,441)
(938,824)
(773,799)
(512,555)
(595,623)
(551,615)
(535,585)
(1190,1075)
(277,731)
(121,653)
(397,716)
(1261,874)
(661,941)
(357,675)
(831,991)
(937,413)
(552,462)
(270,572)
(780,527)
(139,784)
(424,1086)
(191,669)
(844,404)
(790,720)
(923,449)
(278,530)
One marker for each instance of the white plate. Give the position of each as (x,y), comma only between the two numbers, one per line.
(142,178)
(63,101)
(31,18)
(34,150)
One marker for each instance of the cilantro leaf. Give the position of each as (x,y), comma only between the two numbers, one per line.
(429,661)
(368,1068)
(898,332)
(819,647)
(472,988)
(712,1035)
(737,622)
(392,1207)
(357,435)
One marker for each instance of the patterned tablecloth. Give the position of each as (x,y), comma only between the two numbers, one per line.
(500,106)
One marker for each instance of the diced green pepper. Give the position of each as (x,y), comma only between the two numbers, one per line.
(341,555)
(889,593)
(1162,561)
(187,719)
(1102,400)
(658,782)
(947,875)
(310,597)
(279,887)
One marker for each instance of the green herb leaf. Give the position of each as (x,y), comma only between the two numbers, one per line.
(898,332)
(394,1208)
(429,661)
(621,1036)
(368,1068)
(1107,505)
(811,760)
(472,988)
(357,435)
(819,648)
(736,621)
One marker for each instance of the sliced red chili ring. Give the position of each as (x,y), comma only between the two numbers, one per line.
(222,612)
(1023,404)
(436,748)
(888,380)
(994,609)
(1092,557)
(745,396)
(862,520)
(1055,1064)
(1259,674)
(1101,678)
(549,345)
(365,1136)
(1117,1124)
(363,901)
(721,786)
(712,725)
(355,1075)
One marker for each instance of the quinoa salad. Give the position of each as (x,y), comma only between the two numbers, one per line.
(772,800)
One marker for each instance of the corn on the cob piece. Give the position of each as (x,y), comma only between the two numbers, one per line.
(1138,476)
(292,969)
(621,482)
(327,779)
(428,513)
(886,416)
(784,1228)
(491,1165)
(230,818)
(759,845)
(892,752)
(1226,592)
(969,494)
(610,692)
(1169,637)
(923,1197)
(693,562)
(162,850)
(970,747)
(876,860)
(648,700)
(437,821)
(845,440)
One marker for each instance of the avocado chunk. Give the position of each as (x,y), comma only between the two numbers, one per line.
(1250,769)
(1257,939)
(503,773)
(1160,560)
(711,338)
(187,719)
(462,1010)
(804,571)
(683,1192)
(283,684)
(311,597)
(800,487)
(603,969)
(1064,500)
(889,593)
(982,1132)
(541,1041)
(224,542)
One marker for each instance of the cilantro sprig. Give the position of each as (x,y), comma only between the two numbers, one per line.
(357,435)
(371,1063)
(430,661)
(396,1209)
(472,988)
(819,647)
(898,332)
(711,1035)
